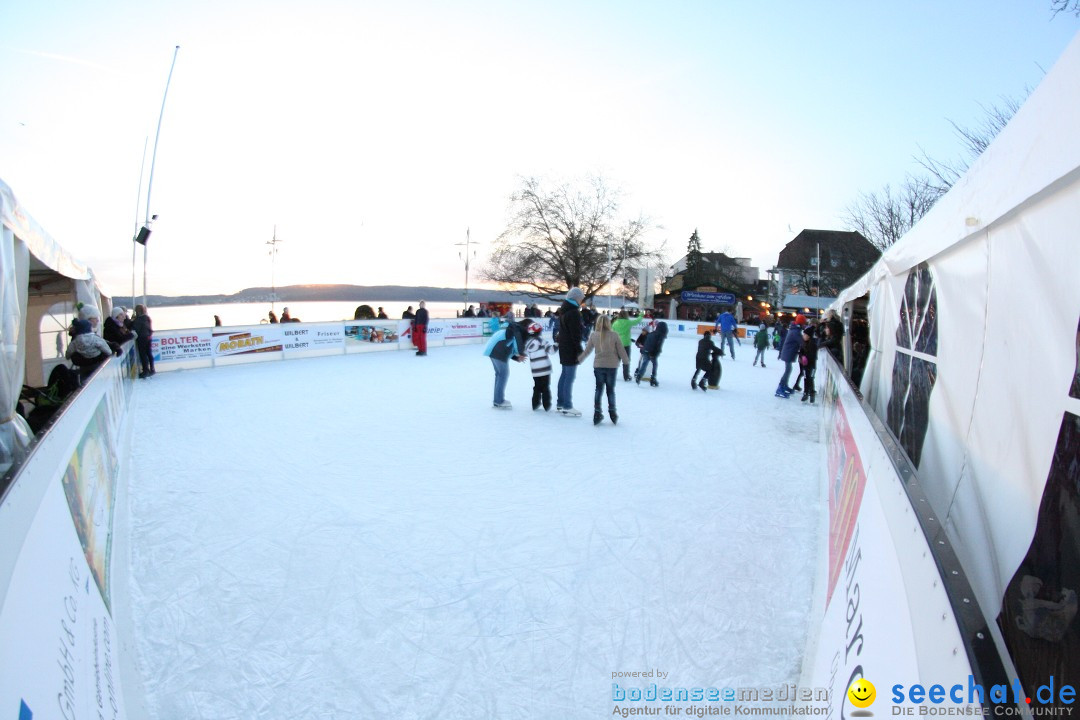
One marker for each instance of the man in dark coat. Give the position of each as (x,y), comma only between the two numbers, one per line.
(419,330)
(789,353)
(571,332)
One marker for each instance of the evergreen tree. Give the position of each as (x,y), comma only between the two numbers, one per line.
(694,263)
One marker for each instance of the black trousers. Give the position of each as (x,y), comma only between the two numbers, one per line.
(541,391)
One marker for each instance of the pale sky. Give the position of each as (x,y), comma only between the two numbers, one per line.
(372,134)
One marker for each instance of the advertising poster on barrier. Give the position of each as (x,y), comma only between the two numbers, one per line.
(865,632)
(299,337)
(181,345)
(265,338)
(369,332)
(464,328)
(846,480)
(59,655)
(89,485)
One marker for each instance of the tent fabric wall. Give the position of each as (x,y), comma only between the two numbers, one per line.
(23,241)
(1001,247)
(14,267)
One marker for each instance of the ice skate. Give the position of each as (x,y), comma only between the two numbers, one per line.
(570,412)
(597,416)
(702,384)
(653,383)
(504,405)
(614,416)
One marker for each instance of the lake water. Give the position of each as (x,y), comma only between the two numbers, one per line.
(195,316)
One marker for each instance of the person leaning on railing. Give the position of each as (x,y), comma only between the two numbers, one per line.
(88,350)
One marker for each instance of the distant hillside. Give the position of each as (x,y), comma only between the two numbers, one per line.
(347,293)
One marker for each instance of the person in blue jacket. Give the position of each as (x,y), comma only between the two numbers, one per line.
(789,353)
(726,325)
(504,344)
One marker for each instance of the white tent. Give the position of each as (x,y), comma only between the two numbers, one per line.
(973,325)
(35,275)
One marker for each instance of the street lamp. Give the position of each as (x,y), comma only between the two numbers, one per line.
(465,256)
(273,243)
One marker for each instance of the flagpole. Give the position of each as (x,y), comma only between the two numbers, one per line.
(138,199)
(153,160)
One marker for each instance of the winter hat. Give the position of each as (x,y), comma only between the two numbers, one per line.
(118,311)
(509,316)
(89,311)
(80,327)
(800,319)
(575,294)
(762,327)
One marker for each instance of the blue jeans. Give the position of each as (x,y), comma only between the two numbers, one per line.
(787,375)
(646,358)
(502,374)
(729,337)
(605,377)
(564,397)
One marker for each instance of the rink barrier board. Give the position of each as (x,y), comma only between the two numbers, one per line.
(905,626)
(211,347)
(891,602)
(68,648)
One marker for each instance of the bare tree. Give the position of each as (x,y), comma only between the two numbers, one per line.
(565,237)
(883,217)
(1065,6)
(974,141)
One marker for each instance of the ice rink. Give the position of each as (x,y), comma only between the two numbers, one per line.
(363,536)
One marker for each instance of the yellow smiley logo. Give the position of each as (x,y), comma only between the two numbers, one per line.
(862,693)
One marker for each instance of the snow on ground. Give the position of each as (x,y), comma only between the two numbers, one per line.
(364,536)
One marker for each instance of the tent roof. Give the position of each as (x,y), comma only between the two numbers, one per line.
(1034,154)
(50,265)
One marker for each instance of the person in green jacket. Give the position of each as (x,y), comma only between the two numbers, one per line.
(622,326)
(761,342)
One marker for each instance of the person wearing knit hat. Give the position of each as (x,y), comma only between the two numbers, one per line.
(92,315)
(571,331)
(115,329)
(87,350)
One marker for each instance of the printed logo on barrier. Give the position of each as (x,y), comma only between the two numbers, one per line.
(862,694)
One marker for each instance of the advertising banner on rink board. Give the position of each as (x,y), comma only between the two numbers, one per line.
(248,341)
(865,631)
(465,328)
(59,657)
(301,337)
(182,345)
(371,331)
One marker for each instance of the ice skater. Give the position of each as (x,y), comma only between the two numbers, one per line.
(571,329)
(706,351)
(808,360)
(727,325)
(789,353)
(650,351)
(537,349)
(504,344)
(761,342)
(609,354)
(622,325)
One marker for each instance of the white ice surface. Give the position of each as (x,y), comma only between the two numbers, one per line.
(363,536)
